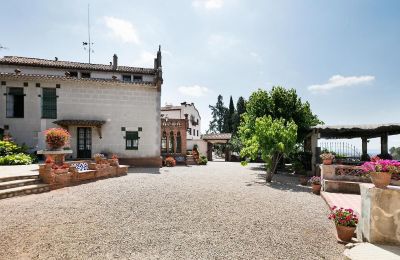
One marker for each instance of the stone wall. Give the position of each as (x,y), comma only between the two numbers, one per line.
(380,215)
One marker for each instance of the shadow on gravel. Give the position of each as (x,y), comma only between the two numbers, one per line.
(281,182)
(144,170)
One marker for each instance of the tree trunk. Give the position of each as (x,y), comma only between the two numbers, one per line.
(268,175)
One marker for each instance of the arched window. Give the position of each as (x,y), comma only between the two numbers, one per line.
(171,142)
(164,142)
(178,142)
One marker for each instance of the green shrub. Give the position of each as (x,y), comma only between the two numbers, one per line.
(8,148)
(16,159)
(203,160)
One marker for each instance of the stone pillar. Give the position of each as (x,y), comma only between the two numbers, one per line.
(209,151)
(384,144)
(314,159)
(380,215)
(364,146)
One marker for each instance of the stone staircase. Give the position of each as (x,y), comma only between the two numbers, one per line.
(21,185)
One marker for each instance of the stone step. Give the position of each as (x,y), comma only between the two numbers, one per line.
(365,251)
(24,190)
(18,183)
(19,177)
(341,186)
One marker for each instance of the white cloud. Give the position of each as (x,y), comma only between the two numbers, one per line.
(146,59)
(339,81)
(122,30)
(208,4)
(193,91)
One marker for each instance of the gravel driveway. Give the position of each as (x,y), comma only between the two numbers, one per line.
(218,211)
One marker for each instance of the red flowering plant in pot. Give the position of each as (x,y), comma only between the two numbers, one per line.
(315,184)
(346,222)
(170,161)
(56,138)
(381,171)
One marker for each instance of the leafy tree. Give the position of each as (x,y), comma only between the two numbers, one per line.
(274,138)
(281,103)
(219,112)
(395,153)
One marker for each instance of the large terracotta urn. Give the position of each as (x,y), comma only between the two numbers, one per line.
(345,233)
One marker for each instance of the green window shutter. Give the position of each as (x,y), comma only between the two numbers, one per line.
(132,140)
(49,103)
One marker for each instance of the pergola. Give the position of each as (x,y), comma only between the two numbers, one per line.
(364,132)
(219,138)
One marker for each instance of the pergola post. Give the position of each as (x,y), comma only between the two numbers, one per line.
(384,144)
(364,146)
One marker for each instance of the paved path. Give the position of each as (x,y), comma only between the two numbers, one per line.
(218,211)
(20,170)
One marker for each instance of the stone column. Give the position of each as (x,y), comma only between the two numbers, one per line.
(384,144)
(364,146)
(314,159)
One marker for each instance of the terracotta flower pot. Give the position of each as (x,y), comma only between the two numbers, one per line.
(316,188)
(380,179)
(327,161)
(345,233)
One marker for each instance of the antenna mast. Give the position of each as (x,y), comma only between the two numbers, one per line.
(89,43)
(88,23)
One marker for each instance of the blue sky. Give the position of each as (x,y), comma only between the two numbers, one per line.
(341,56)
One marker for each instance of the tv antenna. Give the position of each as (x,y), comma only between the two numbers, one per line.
(87,46)
(3,47)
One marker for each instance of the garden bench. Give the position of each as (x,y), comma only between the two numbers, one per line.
(82,171)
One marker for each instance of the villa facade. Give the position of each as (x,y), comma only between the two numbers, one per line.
(108,109)
(179,112)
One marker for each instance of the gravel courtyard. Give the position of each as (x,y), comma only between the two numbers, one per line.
(218,211)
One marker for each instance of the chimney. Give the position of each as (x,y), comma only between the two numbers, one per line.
(115,62)
(56,58)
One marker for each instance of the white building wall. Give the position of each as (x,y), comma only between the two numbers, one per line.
(121,105)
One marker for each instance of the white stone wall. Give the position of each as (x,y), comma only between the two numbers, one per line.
(120,104)
(202,146)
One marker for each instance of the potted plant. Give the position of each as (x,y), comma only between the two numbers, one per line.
(327,158)
(381,171)
(315,184)
(98,157)
(346,222)
(170,161)
(56,138)
(114,160)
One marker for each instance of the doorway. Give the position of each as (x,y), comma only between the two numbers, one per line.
(84,142)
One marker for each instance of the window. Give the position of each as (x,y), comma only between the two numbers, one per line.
(197,132)
(126,78)
(49,103)
(15,102)
(164,142)
(137,78)
(73,74)
(85,75)
(171,142)
(132,140)
(178,142)
(189,131)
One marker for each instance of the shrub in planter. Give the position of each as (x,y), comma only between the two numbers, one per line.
(203,160)
(327,158)
(381,171)
(114,160)
(346,222)
(56,138)
(170,162)
(315,184)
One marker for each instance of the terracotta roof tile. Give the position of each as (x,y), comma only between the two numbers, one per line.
(27,61)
